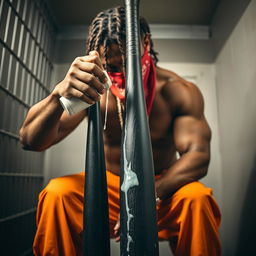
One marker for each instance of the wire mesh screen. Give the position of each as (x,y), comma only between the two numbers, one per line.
(26,44)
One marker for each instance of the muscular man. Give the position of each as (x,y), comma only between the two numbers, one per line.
(188,216)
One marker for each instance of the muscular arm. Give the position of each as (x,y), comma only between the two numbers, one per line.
(192,137)
(46,124)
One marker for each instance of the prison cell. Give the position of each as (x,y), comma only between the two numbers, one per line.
(26,47)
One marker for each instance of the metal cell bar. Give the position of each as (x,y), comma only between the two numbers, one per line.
(31,92)
(14,32)
(22,34)
(31,55)
(1,8)
(14,174)
(5,62)
(16,81)
(9,134)
(7,24)
(27,89)
(39,32)
(29,31)
(9,86)
(3,19)
(10,24)
(36,58)
(24,65)
(20,214)
(35,23)
(46,16)
(15,97)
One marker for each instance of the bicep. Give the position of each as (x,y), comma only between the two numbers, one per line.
(191,130)
(191,134)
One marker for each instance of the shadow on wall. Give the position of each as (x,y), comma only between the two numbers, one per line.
(247,225)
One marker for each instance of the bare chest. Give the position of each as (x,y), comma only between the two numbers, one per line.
(160,120)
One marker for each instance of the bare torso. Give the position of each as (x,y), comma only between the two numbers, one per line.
(160,123)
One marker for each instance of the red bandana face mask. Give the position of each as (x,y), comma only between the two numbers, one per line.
(148,78)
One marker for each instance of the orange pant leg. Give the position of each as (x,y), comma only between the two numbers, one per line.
(190,221)
(60,215)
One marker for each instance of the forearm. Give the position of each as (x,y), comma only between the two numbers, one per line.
(41,125)
(190,167)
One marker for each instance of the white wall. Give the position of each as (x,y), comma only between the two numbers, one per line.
(236,86)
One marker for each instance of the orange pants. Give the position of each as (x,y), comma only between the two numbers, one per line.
(189,220)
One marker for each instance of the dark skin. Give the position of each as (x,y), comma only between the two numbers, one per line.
(177,121)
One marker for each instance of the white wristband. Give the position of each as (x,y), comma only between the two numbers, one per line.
(74,105)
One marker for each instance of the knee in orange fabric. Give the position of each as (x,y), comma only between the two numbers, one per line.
(65,187)
(194,191)
(56,188)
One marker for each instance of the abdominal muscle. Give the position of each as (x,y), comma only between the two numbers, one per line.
(162,158)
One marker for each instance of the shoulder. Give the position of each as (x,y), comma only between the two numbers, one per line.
(184,97)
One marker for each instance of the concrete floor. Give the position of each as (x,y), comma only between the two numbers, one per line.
(164,249)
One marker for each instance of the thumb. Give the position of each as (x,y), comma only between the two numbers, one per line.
(92,53)
(98,59)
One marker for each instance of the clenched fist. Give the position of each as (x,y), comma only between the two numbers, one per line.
(84,80)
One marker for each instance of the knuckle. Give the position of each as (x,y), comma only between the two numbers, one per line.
(85,89)
(71,73)
(76,61)
(90,78)
(75,64)
(80,95)
(94,58)
(93,67)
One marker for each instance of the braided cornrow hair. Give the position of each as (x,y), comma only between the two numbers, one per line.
(109,27)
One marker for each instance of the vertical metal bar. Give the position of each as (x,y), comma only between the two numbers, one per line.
(4,65)
(24,12)
(10,75)
(22,38)
(138,206)
(31,15)
(39,32)
(7,24)
(39,67)
(16,82)
(23,84)
(26,47)
(34,28)
(27,88)
(31,54)
(32,92)
(14,31)
(3,19)
(1,8)
(36,58)
(96,223)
